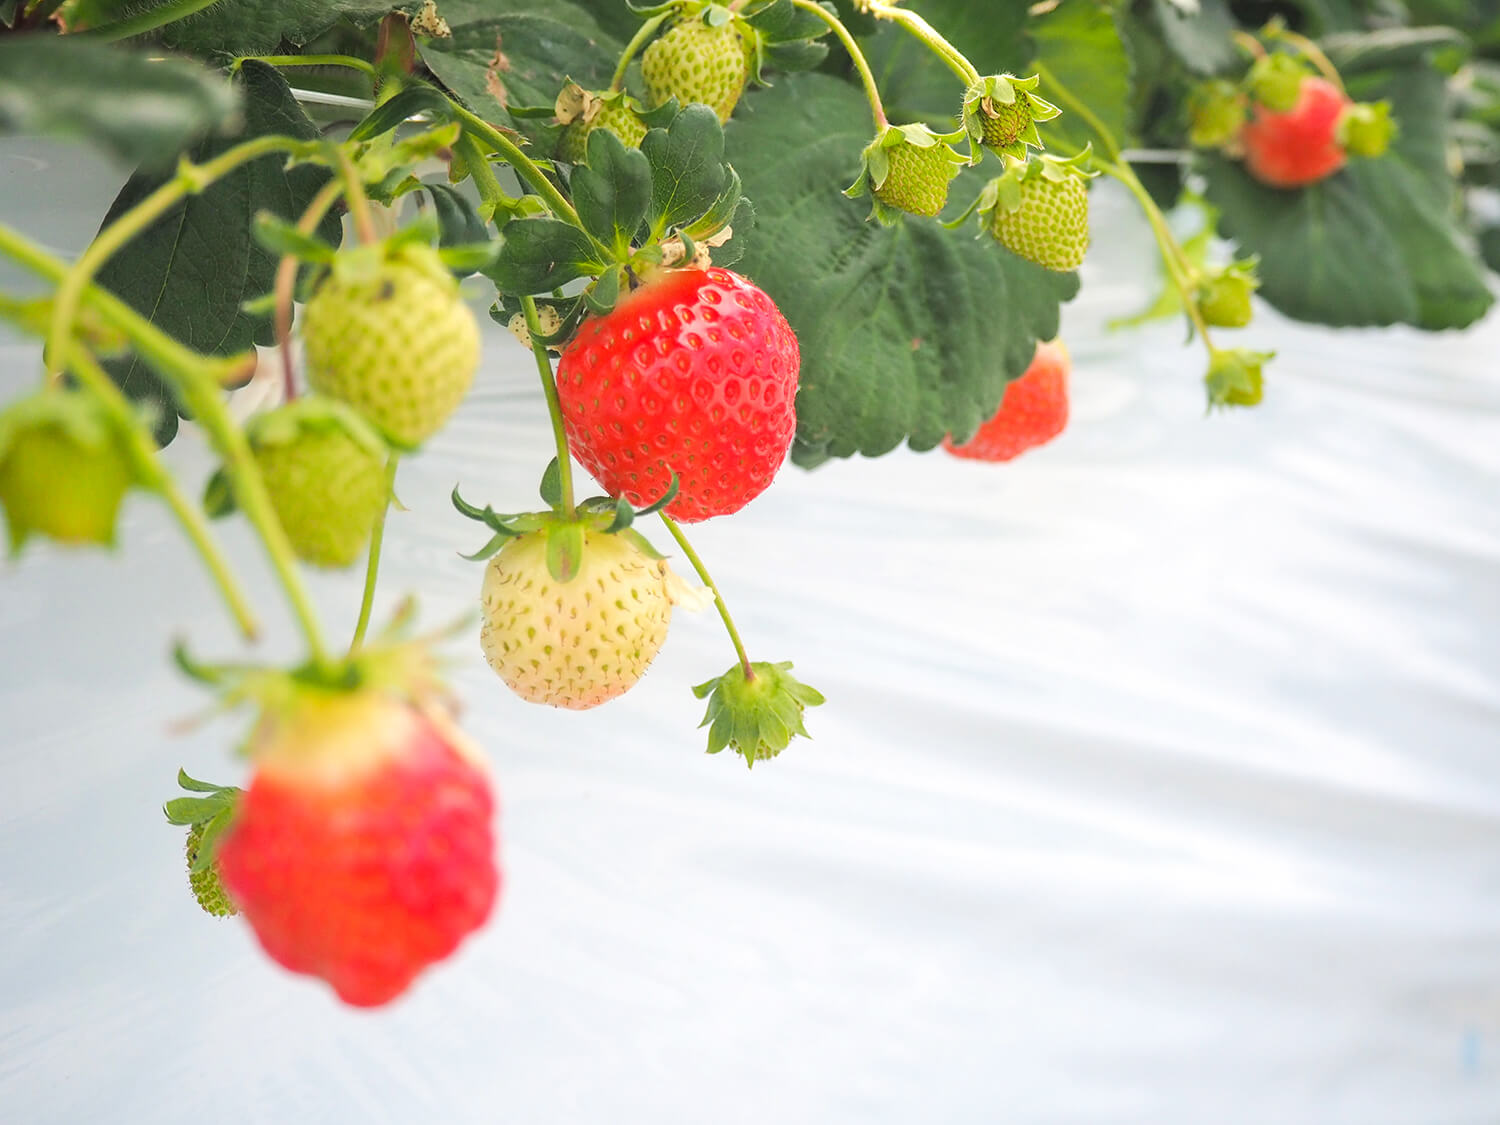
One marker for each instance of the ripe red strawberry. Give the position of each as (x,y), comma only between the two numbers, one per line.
(362,852)
(1301,146)
(695,373)
(1033,411)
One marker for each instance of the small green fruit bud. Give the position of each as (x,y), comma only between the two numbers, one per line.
(1276,81)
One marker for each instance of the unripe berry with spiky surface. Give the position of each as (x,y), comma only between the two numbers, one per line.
(392,338)
(918,179)
(1051,225)
(695,62)
(362,851)
(578,643)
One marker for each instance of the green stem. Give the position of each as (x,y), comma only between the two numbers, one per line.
(372,565)
(149,20)
(354,195)
(305,60)
(917,26)
(1178,267)
(154,476)
(641,38)
(492,197)
(856,56)
(1077,105)
(708,580)
(525,167)
(189,180)
(286,281)
(195,382)
(1248,43)
(554,406)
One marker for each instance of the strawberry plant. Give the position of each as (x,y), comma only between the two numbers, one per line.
(727,235)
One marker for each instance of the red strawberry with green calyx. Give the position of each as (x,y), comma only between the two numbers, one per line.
(388,333)
(701,58)
(1300,146)
(362,850)
(1032,413)
(907,168)
(64,469)
(692,374)
(1001,112)
(1039,209)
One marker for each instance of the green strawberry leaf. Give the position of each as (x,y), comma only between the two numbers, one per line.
(1198,33)
(1374,244)
(539,255)
(507,53)
(458,223)
(191,271)
(1352,52)
(613,191)
(50,86)
(254,27)
(688,173)
(281,237)
(907,333)
(1079,45)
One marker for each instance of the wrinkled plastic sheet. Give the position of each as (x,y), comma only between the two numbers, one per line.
(1159,779)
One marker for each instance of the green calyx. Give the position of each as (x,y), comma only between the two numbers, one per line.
(1234,377)
(64,469)
(1275,80)
(1223,295)
(1219,110)
(608,515)
(759,714)
(906,169)
(205,817)
(1366,129)
(1001,112)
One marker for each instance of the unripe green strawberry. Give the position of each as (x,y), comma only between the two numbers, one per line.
(1004,123)
(578,643)
(64,469)
(207,886)
(1234,377)
(918,178)
(1001,112)
(388,333)
(694,62)
(1224,295)
(615,116)
(1275,81)
(1219,111)
(325,471)
(756,714)
(1366,128)
(1051,225)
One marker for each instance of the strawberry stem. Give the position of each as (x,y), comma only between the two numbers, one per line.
(286,278)
(149,20)
(142,449)
(524,166)
(190,180)
(917,26)
(856,56)
(354,195)
(372,563)
(305,60)
(195,381)
(554,406)
(707,580)
(639,40)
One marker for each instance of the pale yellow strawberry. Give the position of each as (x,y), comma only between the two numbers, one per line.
(579,643)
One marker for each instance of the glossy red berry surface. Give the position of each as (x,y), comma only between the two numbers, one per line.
(1301,146)
(362,851)
(1033,411)
(694,373)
